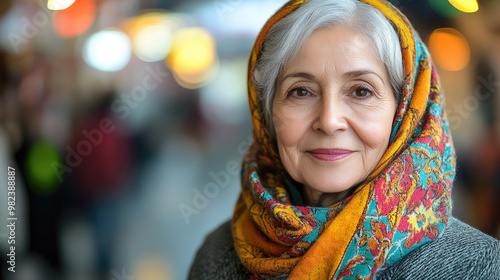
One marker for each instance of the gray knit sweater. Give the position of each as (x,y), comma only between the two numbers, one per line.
(462,252)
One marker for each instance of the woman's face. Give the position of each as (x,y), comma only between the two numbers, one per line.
(333,112)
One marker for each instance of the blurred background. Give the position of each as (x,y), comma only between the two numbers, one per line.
(126,122)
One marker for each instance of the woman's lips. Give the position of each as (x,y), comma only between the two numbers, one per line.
(330,154)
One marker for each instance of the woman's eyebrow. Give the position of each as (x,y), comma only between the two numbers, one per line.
(298,75)
(350,74)
(357,73)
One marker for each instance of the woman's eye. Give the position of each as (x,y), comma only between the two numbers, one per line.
(299,92)
(361,92)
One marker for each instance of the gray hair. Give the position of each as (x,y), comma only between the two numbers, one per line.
(288,35)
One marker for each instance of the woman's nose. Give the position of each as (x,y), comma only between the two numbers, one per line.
(331,116)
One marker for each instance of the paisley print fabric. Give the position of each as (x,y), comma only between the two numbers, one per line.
(403,204)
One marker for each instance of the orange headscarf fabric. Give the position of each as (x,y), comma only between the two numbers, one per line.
(403,204)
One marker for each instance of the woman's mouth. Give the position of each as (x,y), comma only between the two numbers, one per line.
(329,154)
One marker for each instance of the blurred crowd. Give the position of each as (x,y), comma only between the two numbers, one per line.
(126,122)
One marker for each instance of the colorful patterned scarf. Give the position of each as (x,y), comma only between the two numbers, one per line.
(403,204)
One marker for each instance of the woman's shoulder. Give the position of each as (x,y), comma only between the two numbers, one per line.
(217,258)
(462,252)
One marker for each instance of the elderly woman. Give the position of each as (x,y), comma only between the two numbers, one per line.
(350,172)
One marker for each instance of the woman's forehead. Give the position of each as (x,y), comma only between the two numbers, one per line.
(339,49)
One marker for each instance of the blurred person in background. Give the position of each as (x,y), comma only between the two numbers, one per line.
(10,141)
(352,164)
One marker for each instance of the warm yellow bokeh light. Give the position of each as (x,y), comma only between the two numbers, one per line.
(466,6)
(152,268)
(151,35)
(197,80)
(192,52)
(449,49)
(56,5)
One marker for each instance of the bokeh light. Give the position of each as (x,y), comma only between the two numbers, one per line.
(193,57)
(449,49)
(151,35)
(74,20)
(443,8)
(197,80)
(153,267)
(59,4)
(107,50)
(152,43)
(466,6)
(192,51)
(42,166)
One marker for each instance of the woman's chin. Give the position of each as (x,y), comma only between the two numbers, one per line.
(331,177)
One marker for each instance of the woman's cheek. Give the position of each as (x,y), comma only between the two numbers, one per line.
(286,131)
(374,128)
(290,125)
